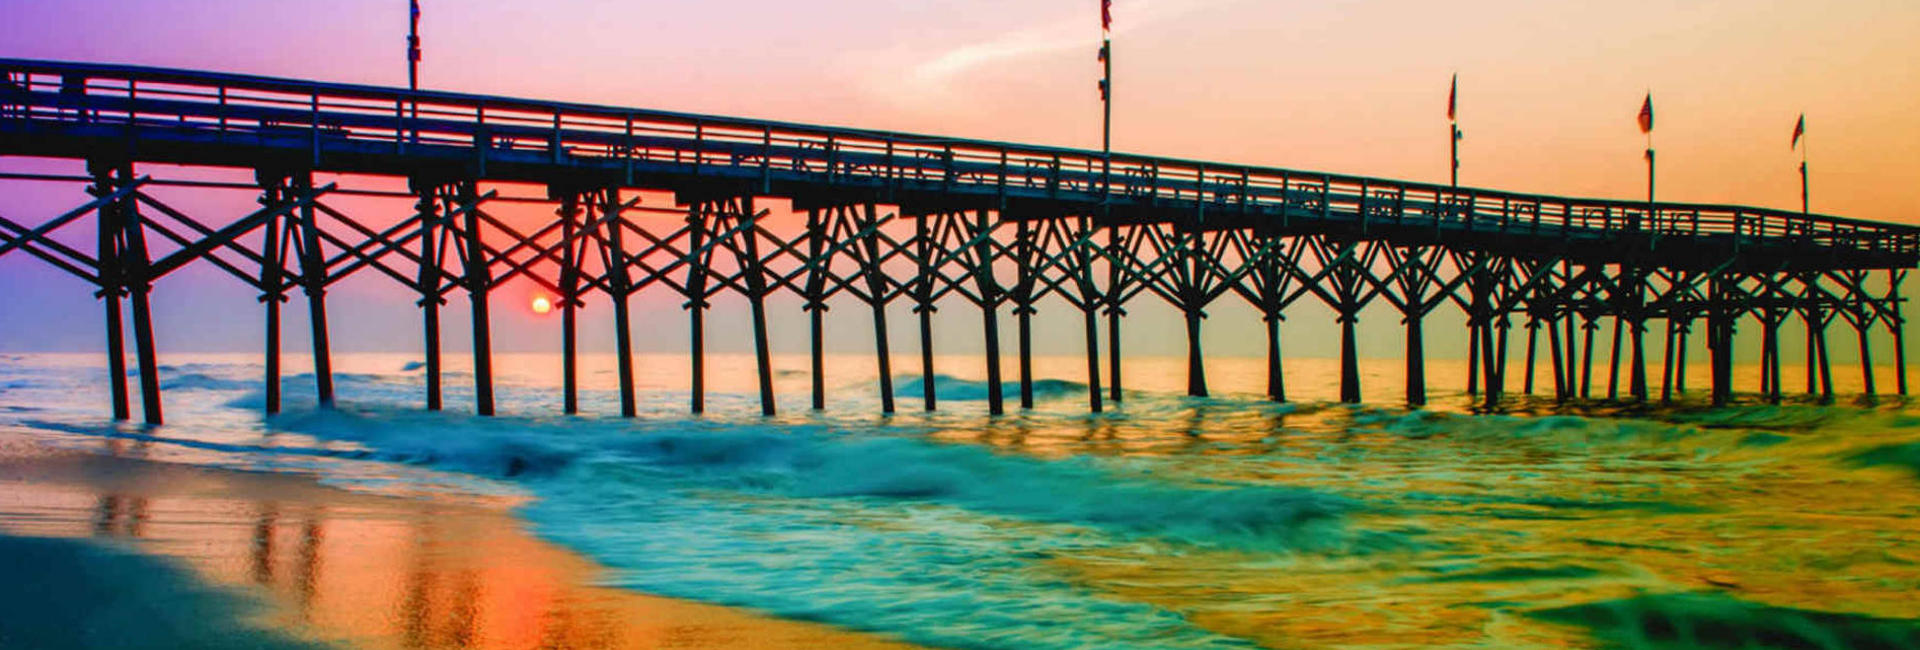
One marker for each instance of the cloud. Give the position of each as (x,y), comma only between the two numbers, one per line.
(1076,32)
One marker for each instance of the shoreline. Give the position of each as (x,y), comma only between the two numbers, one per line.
(350,569)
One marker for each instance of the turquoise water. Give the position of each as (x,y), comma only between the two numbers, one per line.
(1170,522)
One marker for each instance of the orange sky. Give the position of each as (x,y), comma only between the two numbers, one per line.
(1549,90)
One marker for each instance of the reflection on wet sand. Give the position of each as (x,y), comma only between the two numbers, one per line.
(369,571)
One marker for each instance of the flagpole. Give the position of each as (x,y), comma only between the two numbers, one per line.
(1648,127)
(1106,194)
(1804,209)
(1453,141)
(413,64)
(1106,118)
(1453,132)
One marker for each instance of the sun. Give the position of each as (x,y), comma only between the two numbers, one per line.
(542,305)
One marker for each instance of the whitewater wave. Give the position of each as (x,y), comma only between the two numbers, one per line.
(947,387)
(203,381)
(941,543)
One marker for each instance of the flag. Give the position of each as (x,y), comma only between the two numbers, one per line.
(1646,115)
(1106,15)
(1453,93)
(1799,129)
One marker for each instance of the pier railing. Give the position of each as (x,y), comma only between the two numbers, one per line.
(329,119)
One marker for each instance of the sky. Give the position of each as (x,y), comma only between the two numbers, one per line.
(1548,93)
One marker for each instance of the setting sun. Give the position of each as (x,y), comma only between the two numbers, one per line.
(542,305)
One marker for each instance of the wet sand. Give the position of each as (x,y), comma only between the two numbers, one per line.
(319,564)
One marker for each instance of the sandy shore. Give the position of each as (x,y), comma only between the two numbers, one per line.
(297,563)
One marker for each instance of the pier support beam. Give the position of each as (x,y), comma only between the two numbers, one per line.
(923,306)
(569,214)
(751,266)
(478,278)
(1270,280)
(1091,301)
(699,257)
(313,273)
(1720,337)
(619,290)
(1896,321)
(1276,377)
(1587,328)
(1680,361)
(113,287)
(816,307)
(432,249)
(1558,359)
(1023,308)
(1115,309)
(878,294)
(1414,271)
(272,272)
(1669,354)
(1770,320)
(1632,307)
(1816,313)
(990,297)
(1192,286)
(123,257)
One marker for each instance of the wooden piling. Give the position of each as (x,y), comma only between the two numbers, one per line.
(1771,355)
(1720,340)
(989,310)
(1587,328)
(1680,361)
(1613,361)
(313,270)
(750,266)
(1114,311)
(816,307)
(1091,301)
(620,288)
(428,280)
(1866,356)
(1637,382)
(1533,336)
(1276,378)
(569,214)
(1349,357)
(270,279)
(111,230)
(1023,309)
(479,281)
(1417,357)
(878,294)
(113,287)
(1896,321)
(1473,351)
(1561,379)
(1666,364)
(923,306)
(1497,367)
(1193,246)
(697,305)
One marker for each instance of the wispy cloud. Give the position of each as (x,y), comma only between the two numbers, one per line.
(1075,32)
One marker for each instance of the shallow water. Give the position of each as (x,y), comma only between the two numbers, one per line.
(1169,522)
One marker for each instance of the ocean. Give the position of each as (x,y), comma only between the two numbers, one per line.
(1167,522)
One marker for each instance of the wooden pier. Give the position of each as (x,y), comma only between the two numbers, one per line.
(995,226)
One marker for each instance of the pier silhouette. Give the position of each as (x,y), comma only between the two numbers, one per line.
(997,226)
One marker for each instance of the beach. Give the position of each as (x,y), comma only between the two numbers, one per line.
(238,559)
